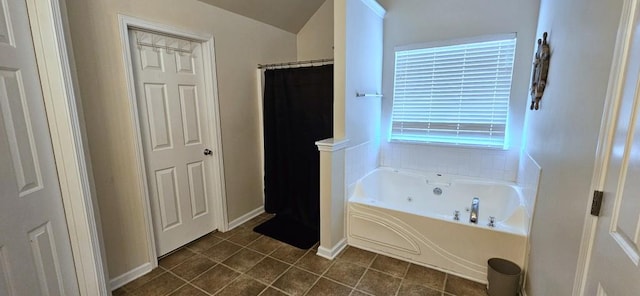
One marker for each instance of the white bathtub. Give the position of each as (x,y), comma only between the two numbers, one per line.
(396,212)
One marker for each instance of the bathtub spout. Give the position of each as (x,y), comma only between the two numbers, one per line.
(475,204)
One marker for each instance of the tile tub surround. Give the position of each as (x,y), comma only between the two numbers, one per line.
(471,162)
(216,265)
(528,178)
(360,160)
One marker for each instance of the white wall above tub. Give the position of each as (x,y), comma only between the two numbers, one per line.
(363,74)
(363,71)
(419,21)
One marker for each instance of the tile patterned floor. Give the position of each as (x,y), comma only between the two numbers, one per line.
(241,262)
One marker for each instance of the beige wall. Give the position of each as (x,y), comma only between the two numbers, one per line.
(240,44)
(563,134)
(339,71)
(315,39)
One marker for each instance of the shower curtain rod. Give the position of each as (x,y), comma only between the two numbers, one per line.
(289,64)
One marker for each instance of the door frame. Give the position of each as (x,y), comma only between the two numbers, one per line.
(58,79)
(211,92)
(613,98)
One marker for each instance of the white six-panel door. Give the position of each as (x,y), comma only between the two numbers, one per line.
(175,133)
(615,258)
(35,252)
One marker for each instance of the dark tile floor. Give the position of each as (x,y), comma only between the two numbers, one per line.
(241,262)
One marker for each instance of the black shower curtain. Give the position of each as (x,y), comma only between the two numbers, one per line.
(298,111)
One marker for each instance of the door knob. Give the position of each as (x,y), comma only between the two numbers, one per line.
(208,151)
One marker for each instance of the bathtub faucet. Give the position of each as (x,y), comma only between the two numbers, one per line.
(475,204)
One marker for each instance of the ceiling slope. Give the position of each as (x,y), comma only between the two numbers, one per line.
(289,15)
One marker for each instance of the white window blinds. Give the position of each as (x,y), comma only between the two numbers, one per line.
(456,94)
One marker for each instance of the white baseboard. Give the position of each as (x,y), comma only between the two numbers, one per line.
(130,276)
(246,217)
(333,252)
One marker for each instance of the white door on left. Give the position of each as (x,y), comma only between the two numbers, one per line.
(35,252)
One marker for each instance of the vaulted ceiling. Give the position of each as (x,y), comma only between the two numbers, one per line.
(289,15)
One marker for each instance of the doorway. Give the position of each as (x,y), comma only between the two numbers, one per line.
(172,89)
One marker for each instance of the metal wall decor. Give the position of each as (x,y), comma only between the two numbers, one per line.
(540,71)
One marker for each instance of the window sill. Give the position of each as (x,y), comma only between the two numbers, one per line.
(447,145)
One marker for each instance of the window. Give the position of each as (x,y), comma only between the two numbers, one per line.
(455,94)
